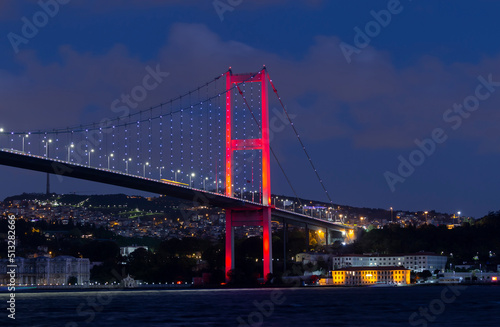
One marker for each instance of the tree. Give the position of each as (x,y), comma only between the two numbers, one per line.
(424,274)
(72,280)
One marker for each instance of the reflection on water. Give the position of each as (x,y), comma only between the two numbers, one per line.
(398,306)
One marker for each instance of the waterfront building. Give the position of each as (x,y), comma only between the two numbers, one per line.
(362,276)
(417,262)
(414,261)
(60,270)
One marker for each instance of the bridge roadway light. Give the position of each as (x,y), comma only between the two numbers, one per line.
(190,176)
(69,151)
(47,147)
(204,183)
(216,182)
(90,151)
(144,169)
(126,164)
(175,173)
(24,136)
(160,168)
(109,157)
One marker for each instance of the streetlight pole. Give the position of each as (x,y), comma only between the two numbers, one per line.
(90,151)
(47,148)
(190,175)
(391,214)
(47,155)
(175,173)
(126,164)
(109,158)
(144,169)
(23,140)
(1,131)
(69,150)
(204,183)
(160,170)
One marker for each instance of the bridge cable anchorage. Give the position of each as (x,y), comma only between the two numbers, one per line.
(272,151)
(300,140)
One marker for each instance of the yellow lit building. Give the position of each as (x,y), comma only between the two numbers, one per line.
(358,276)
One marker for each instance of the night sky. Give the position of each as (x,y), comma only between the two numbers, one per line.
(365,80)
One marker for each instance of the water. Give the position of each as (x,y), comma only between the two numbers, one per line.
(308,306)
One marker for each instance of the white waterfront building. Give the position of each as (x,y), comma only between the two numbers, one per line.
(414,261)
(47,271)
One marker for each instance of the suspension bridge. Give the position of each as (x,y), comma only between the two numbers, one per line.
(210,146)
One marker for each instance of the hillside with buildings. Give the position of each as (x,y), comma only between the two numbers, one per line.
(158,239)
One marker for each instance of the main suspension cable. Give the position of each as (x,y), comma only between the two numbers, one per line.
(300,140)
(272,151)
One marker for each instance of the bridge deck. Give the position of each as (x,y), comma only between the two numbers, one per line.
(198,197)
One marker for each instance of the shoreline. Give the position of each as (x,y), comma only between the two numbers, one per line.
(48,289)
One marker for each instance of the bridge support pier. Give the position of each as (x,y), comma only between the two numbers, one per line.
(229,242)
(307,238)
(244,217)
(285,241)
(267,239)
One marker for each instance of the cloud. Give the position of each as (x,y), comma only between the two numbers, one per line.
(369,101)
(208,6)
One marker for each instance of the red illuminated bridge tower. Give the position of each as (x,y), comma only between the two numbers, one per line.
(243,216)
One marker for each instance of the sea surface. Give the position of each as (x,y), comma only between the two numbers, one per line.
(307,306)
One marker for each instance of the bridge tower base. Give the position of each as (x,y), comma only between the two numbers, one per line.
(244,217)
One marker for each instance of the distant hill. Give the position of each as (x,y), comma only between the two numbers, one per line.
(160,202)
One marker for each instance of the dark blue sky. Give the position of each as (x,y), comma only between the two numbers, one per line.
(356,118)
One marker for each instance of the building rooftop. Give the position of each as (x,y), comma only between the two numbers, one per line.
(375,255)
(372,268)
